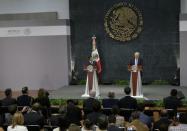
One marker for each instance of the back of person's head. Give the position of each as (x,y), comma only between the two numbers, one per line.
(25,90)
(17,119)
(127,90)
(92,94)
(8,92)
(70,102)
(164,113)
(173,92)
(135,115)
(183,118)
(41,93)
(88,125)
(47,93)
(12,109)
(111,94)
(96,106)
(115,110)
(63,123)
(75,101)
(111,119)
(74,127)
(36,106)
(102,122)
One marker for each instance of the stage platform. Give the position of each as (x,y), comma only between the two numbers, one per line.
(150,92)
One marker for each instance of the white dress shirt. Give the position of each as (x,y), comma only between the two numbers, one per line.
(17,128)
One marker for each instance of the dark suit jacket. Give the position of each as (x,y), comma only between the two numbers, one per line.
(163,120)
(33,118)
(88,105)
(8,101)
(56,119)
(171,102)
(109,103)
(43,101)
(114,128)
(24,100)
(128,102)
(140,61)
(74,114)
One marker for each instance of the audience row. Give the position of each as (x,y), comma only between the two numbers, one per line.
(90,117)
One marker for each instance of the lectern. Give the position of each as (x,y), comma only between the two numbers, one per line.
(135,80)
(91,81)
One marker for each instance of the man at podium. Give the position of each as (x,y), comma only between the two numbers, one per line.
(135,67)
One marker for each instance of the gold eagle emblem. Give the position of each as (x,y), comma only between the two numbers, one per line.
(123,22)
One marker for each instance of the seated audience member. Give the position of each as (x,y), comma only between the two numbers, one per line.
(8,100)
(93,116)
(102,123)
(25,99)
(74,127)
(120,121)
(73,114)
(55,118)
(33,116)
(44,102)
(172,102)
(163,122)
(181,126)
(143,117)
(8,116)
(87,125)
(110,101)
(17,123)
(63,124)
(112,124)
(140,126)
(88,103)
(127,101)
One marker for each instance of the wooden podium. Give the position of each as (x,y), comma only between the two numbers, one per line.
(90,70)
(134,69)
(91,81)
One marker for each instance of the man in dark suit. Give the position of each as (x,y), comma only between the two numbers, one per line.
(88,103)
(110,101)
(135,66)
(127,101)
(73,114)
(172,102)
(33,116)
(136,60)
(8,100)
(25,99)
(164,120)
(93,116)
